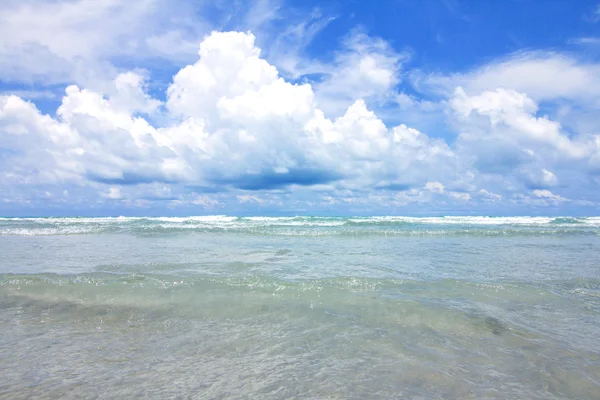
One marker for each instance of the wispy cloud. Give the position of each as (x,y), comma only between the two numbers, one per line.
(80,41)
(594,16)
(589,40)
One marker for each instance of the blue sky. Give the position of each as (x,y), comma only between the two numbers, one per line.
(270,107)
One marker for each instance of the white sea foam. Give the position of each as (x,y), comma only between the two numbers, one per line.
(205,219)
(466,220)
(303,226)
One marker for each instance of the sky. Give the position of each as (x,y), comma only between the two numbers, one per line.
(289,107)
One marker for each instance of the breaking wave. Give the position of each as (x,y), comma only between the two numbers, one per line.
(304,226)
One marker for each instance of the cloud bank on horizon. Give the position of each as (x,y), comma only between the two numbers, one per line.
(266,107)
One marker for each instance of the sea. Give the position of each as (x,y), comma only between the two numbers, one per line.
(223,307)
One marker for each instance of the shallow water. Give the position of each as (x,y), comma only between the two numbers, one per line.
(225,307)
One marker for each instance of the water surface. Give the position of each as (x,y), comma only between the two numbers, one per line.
(300,307)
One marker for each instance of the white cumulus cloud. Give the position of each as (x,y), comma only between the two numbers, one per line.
(230,125)
(232,122)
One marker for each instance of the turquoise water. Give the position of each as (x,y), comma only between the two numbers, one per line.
(300,307)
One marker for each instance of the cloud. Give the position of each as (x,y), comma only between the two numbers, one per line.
(546,194)
(80,41)
(564,86)
(205,201)
(586,40)
(534,73)
(512,115)
(460,196)
(489,196)
(366,68)
(30,94)
(435,187)
(295,31)
(232,131)
(594,16)
(88,42)
(502,135)
(246,198)
(543,179)
(281,179)
(231,121)
(114,193)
